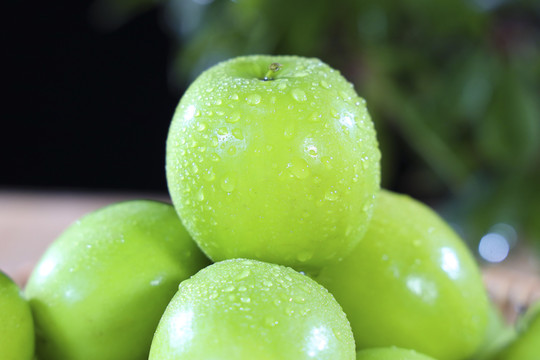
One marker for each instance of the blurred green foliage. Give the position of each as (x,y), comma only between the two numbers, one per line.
(453,87)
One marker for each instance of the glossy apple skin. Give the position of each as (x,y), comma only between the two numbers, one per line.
(100,289)
(246,309)
(16,324)
(283,170)
(411,282)
(526,345)
(391,353)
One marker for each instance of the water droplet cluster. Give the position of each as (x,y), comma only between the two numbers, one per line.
(256,165)
(257,301)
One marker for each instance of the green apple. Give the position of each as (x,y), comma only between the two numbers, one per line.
(411,282)
(246,309)
(273,158)
(526,345)
(390,353)
(498,335)
(100,289)
(16,324)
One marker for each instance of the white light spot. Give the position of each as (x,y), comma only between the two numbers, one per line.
(46,267)
(318,341)
(493,247)
(422,288)
(158,280)
(180,329)
(190,112)
(347,120)
(450,263)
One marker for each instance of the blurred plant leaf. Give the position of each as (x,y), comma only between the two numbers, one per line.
(454,83)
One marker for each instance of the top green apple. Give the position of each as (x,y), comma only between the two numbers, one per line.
(273,158)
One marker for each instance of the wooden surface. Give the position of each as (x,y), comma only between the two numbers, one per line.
(30,221)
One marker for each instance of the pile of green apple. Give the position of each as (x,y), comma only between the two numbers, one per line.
(279,244)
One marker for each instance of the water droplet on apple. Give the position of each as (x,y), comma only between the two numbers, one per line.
(234,117)
(289,310)
(345,96)
(299,95)
(325,85)
(234,96)
(215,157)
(282,85)
(331,195)
(245,299)
(218,102)
(200,195)
(270,321)
(242,288)
(231,150)
(213,295)
(366,207)
(253,99)
(229,288)
(237,133)
(312,150)
(299,168)
(223,131)
(243,274)
(315,117)
(228,184)
(209,175)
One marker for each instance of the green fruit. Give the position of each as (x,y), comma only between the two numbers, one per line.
(390,353)
(526,346)
(102,286)
(411,282)
(246,309)
(498,335)
(16,324)
(283,170)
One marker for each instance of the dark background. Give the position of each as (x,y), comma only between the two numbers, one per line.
(83,107)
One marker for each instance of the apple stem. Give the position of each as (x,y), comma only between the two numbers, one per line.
(272,70)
